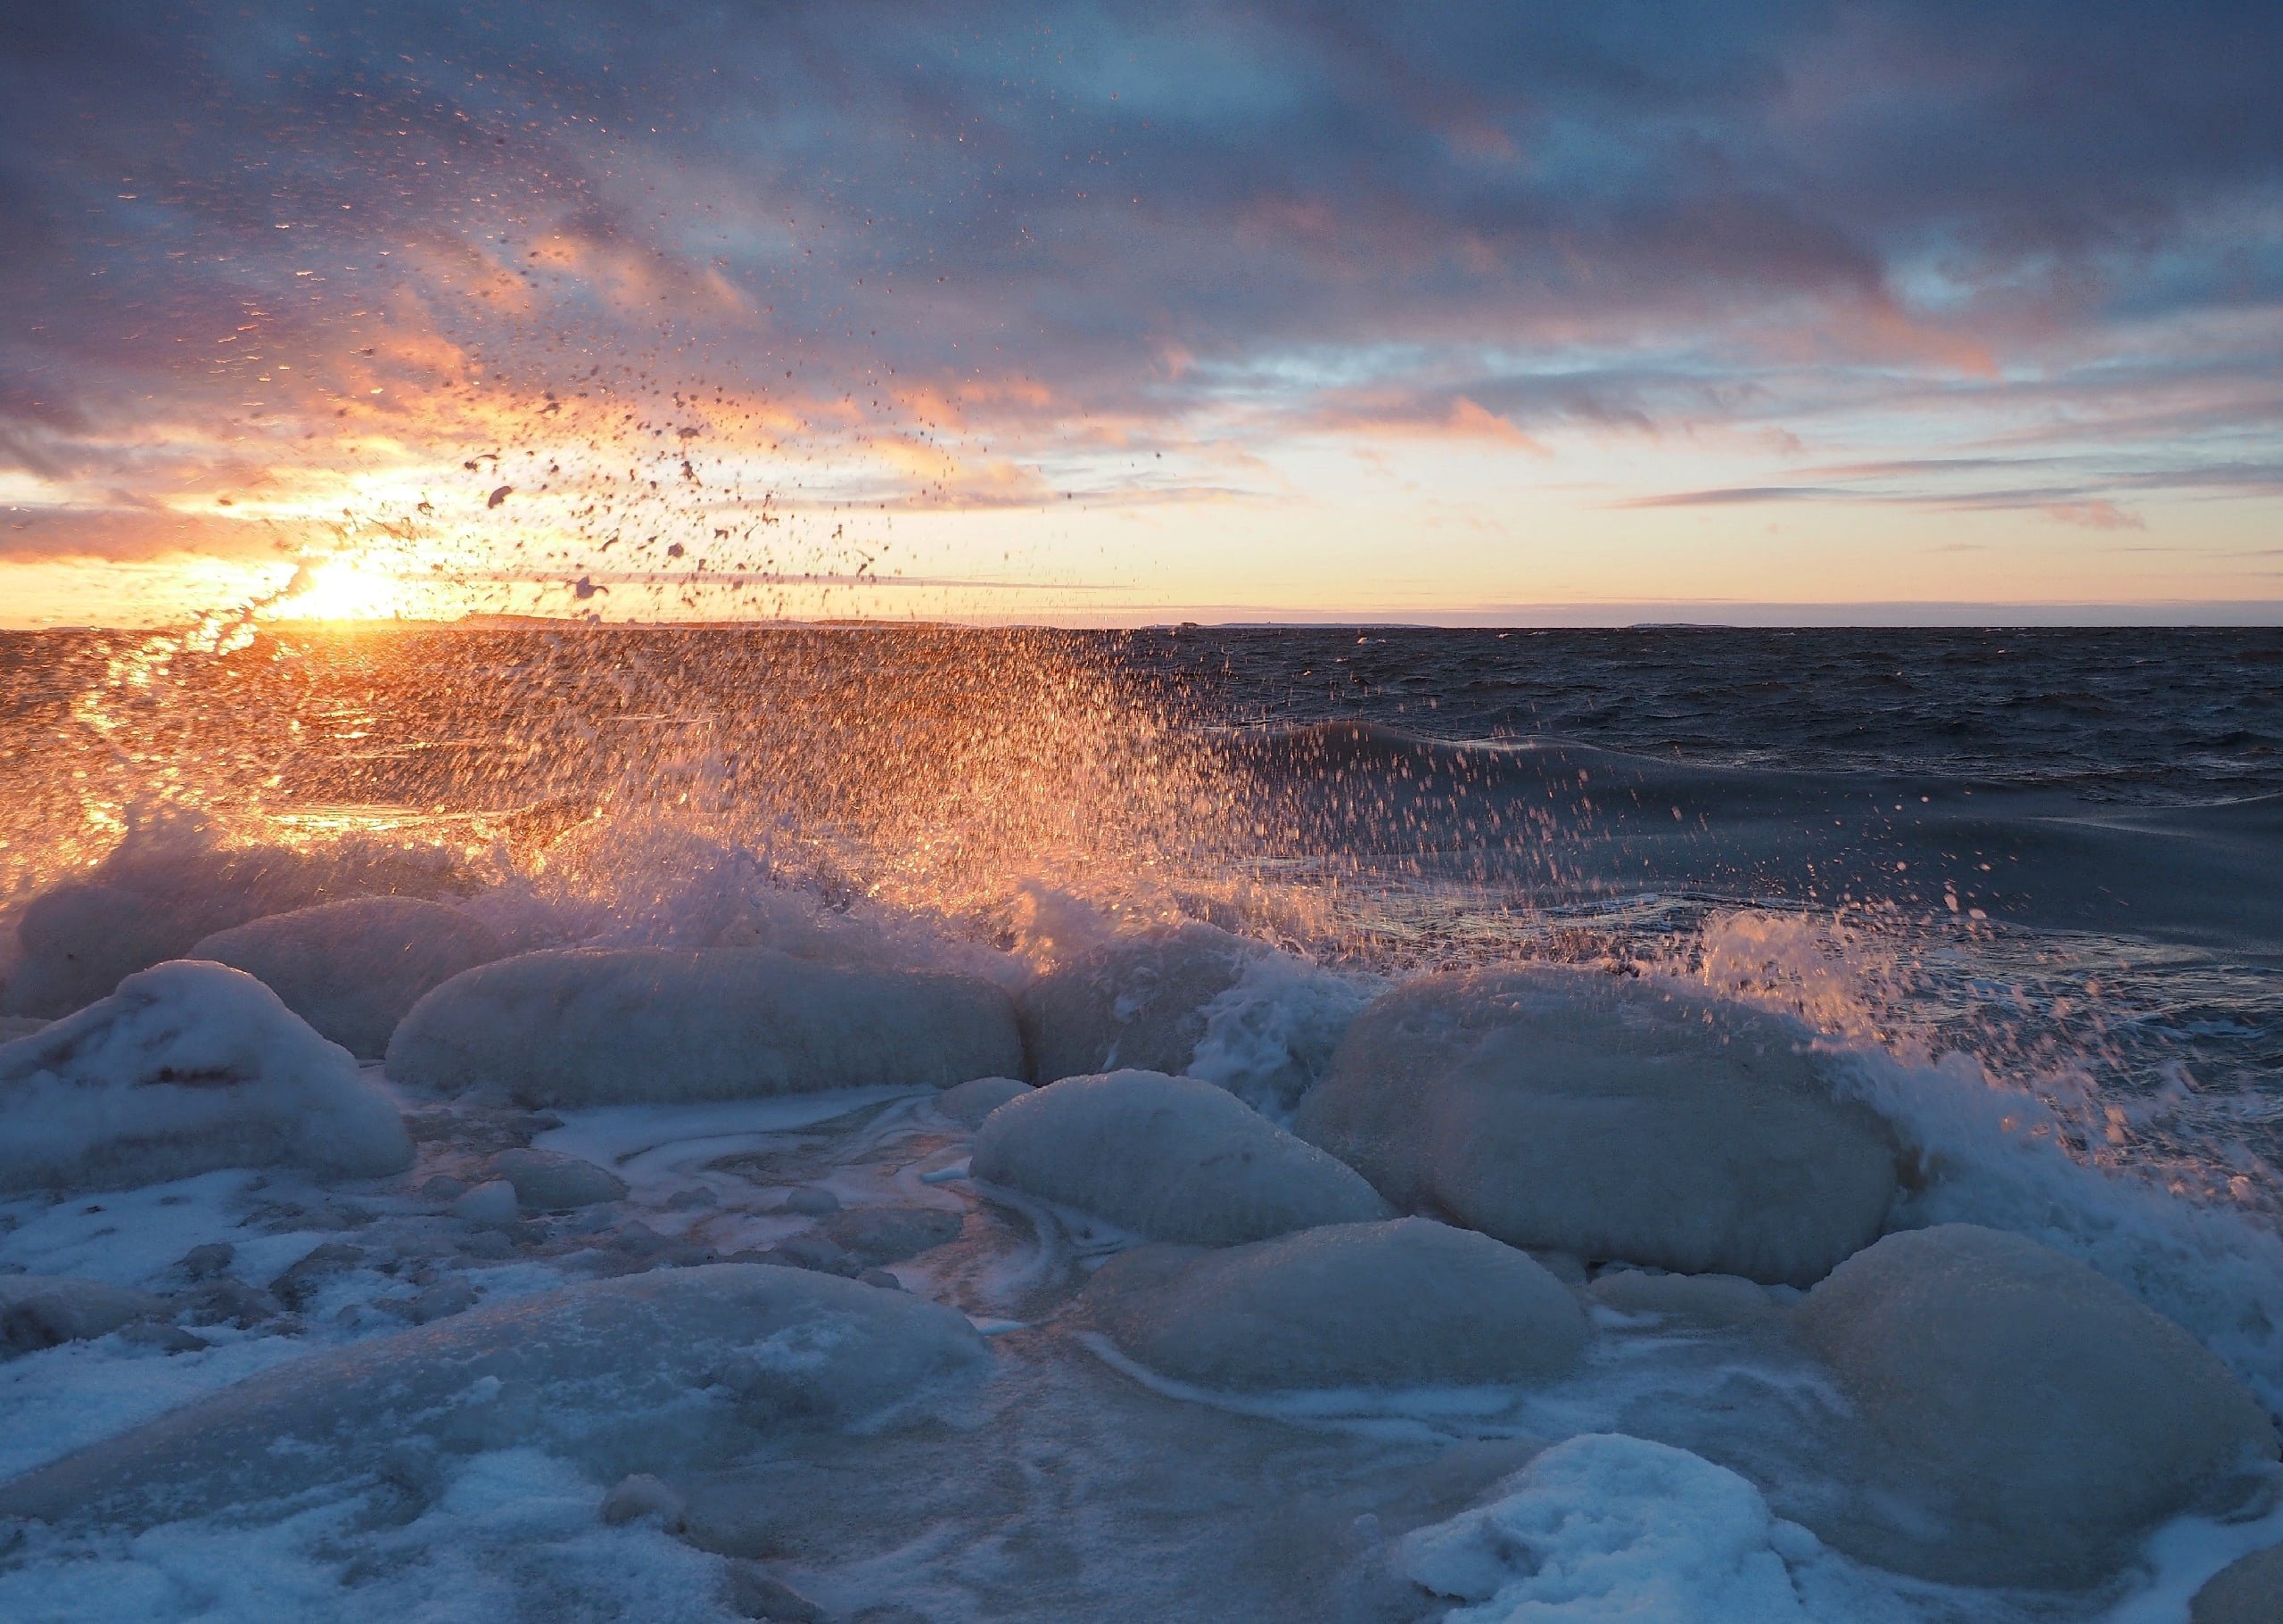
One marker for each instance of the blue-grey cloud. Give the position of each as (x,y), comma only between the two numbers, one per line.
(1052,230)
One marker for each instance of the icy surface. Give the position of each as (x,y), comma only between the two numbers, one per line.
(597,1027)
(1170,1158)
(186,1066)
(352,969)
(620,1374)
(1609,1118)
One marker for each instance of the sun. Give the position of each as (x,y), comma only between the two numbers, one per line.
(341,588)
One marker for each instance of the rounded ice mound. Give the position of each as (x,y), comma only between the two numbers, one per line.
(970,1102)
(1609,1527)
(40,1311)
(187,1068)
(1136,1003)
(552,1181)
(2248,1590)
(647,1373)
(78,942)
(1609,1118)
(169,884)
(352,969)
(583,1026)
(1170,1158)
(1402,1304)
(2031,1418)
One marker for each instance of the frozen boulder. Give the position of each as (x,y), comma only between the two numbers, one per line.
(1170,1158)
(1613,1118)
(547,1181)
(2248,1590)
(352,969)
(78,942)
(41,1311)
(187,1067)
(970,1102)
(647,1373)
(2031,1420)
(1402,1304)
(169,884)
(1607,1527)
(491,1204)
(1134,1003)
(580,1027)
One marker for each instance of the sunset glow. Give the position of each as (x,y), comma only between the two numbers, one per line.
(1512,316)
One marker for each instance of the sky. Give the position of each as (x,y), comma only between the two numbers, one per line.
(1500,313)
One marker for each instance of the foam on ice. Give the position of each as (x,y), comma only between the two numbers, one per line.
(1604,1528)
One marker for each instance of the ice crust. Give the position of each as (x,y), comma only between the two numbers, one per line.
(1609,1118)
(1170,1158)
(652,1371)
(352,969)
(1406,1303)
(1604,1528)
(2033,1420)
(187,1067)
(579,1027)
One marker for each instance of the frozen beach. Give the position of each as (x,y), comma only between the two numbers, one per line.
(1306,1125)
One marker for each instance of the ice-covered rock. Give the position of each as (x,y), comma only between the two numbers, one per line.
(1134,1003)
(579,1026)
(547,1181)
(1609,1118)
(2031,1418)
(1607,1528)
(648,1372)
(641,1495)
(2248,1590)
(1191,1001)
(491,1202)
(1170,1158)
(352,969)
(1401,1304)
(170,883)
(186,1066)
(78,942)
(970,1102)
(40,1311)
